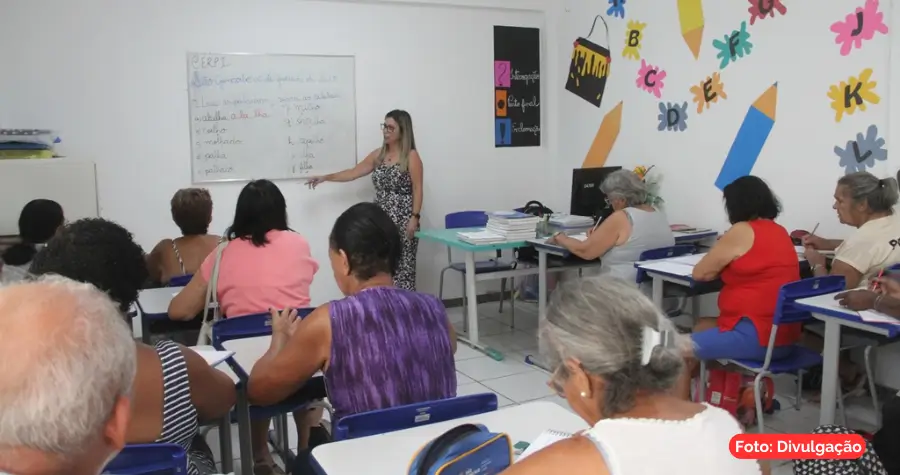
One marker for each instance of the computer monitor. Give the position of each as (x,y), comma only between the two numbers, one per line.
(587,199)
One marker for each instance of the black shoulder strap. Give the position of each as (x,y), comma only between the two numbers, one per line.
(438,445)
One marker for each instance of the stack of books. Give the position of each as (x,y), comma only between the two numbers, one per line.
(480,237)
(571,221)
(512,225)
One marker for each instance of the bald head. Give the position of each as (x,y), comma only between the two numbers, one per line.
(67,360)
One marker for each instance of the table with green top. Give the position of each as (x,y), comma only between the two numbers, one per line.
(448,238)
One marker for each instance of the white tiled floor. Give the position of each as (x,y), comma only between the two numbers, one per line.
(515,382)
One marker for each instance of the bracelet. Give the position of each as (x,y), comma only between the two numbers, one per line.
(877,301)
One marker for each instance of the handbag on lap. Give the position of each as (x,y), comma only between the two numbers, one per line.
(211,312)
(465,449)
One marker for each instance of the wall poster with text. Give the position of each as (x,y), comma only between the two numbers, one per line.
(517,86)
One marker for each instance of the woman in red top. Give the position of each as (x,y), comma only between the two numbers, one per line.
(754,258)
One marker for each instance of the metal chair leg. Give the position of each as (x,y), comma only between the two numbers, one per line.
(512,302)
(441,286)
(841,406)
(502,293)
(873,389)
(757,394)
(465,305)
(701,391)
(798,399)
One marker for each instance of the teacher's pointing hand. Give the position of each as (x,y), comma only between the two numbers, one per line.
(313,182)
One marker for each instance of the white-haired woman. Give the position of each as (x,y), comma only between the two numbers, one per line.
(634,227)
(396,170)
(616,359)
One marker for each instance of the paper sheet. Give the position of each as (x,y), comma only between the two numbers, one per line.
(213,357)
(877,317)
(548,437)
(669,267)
(690,260)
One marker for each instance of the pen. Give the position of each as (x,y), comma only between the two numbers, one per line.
(875,282)
(813,233)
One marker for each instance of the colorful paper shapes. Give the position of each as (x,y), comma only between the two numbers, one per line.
(616,8)
(855,93)
(750,138)
(708,91)
(588,71)
(650,78)
(690,16)
(501,73)
(762,9)
(634,36)
(862,153)
(605,138)
(858,26)
(502,132)
(735,45)
(672,117)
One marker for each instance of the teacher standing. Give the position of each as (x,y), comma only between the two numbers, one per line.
(396,170)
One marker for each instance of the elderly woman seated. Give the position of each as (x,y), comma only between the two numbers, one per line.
(615,359)
(192,213)
(633,227)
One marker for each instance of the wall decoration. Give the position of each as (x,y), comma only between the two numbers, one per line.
(672,116)
(750,138)
(855,93)
(650,78)
(690,16)
(589,67)
(517,87)
(761,9)
(605,138)
(735,45)
(858,26)
(616,8)
(634,36)
(708,91)
(862,153)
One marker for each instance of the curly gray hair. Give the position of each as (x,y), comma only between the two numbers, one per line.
(626,185)
(600,322)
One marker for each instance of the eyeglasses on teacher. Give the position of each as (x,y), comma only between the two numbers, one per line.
(389,128)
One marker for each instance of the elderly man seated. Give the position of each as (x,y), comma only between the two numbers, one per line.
(67,361)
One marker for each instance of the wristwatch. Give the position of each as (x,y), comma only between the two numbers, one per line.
(417,216)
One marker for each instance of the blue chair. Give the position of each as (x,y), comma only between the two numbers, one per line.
(156,459)
(477,219)
(413,415)
(249,326)
(180,280)
(801,358)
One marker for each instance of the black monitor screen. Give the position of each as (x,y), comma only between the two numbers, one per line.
(587,199)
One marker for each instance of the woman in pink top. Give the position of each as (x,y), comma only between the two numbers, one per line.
(264,265)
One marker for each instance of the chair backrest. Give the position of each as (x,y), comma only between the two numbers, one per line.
(663,253)
(465,219)
(413,415)
(139,459)
(180,280)
(786,312)
(246,326)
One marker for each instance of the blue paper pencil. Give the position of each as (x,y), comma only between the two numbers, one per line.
(750,138)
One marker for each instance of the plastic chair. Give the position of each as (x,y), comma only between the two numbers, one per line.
(156,459)
(412,415)
(801,358)
(477,219)
(249,326)
(180,280)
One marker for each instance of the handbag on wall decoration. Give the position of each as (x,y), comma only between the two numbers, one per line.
(589,67)
(211,311)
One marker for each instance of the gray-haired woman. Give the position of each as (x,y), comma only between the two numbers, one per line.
(634,227)
(616,359)
(867,203)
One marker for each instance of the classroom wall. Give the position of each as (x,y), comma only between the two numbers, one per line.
(798,160)
(110,76)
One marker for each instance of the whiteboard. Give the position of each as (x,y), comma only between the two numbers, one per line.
(72,184)
(270,116)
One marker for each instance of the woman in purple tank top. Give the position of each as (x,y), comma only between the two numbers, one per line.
(379,347)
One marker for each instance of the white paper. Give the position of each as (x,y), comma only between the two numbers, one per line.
(691,259)
(877,317)
(213,357)
(547,438)
(669,267)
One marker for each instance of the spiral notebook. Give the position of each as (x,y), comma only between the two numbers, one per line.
(547,438)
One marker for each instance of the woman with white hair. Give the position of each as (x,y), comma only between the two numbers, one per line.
(634,227)
(615,359)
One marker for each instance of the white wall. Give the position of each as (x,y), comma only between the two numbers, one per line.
(110,76)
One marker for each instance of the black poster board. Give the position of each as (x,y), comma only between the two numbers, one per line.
(517,86)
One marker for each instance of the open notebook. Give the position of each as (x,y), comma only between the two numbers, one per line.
(547,438)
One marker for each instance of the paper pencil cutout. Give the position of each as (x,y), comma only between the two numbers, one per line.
(605,138)
(750,138)
(690,15)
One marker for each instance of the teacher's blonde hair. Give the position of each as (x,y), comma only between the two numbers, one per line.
(407,137)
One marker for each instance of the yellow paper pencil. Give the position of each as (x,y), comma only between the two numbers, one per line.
(605,138)
(690,14)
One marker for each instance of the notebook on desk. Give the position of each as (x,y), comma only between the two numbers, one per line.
(547,438)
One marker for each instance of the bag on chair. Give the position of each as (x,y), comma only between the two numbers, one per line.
(211,311)
(469,448)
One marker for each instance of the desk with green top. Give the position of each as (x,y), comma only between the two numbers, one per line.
(448,237)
